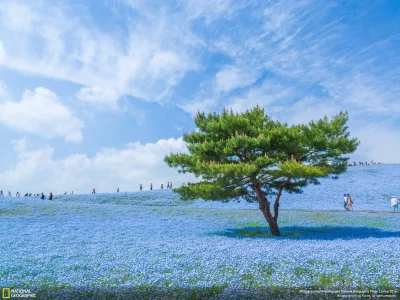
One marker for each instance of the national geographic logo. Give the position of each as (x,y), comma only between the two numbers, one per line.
(8,293)
(5,293)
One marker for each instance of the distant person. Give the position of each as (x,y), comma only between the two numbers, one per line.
(345,201)
(117,190)
(30,194)
(17,194)
(42,196)
(51,196)
(65,193)
(26,195)
(151,186)
(1,193)
(170,185)
(72,192)
(141,187)
(9,194)
(93,191)
(394,203)
(162,186)
(167,185)
(349,202)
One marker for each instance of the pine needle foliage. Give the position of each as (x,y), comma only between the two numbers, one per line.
(250,155)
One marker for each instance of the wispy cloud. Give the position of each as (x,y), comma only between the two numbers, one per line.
(147,60)
(103,97)
(299,59)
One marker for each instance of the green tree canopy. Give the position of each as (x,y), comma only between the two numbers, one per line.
(249,155)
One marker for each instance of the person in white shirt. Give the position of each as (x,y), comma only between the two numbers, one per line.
(394,203)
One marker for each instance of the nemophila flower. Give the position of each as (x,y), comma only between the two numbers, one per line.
(153,239)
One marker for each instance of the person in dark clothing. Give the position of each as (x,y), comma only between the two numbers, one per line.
(151,186)
(141,187)
(1,193)
(51,196)
(117,190)
(42,196)
(162,186)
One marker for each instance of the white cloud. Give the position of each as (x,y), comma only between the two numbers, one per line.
(40,112)
(202,105)
(110,168)
(164,62)
(231,77)
(17,16)
(270,95)
(20,145)
(3,92)
(212,10)
(100,96)
(2,53)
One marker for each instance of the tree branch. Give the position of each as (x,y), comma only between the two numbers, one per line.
(278,196)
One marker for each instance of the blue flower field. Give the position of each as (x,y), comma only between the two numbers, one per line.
(151,244)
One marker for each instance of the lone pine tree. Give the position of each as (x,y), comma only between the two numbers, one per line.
(249,155)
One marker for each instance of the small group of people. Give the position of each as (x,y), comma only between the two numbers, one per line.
(348,202)
(9,194)
(169,186)
(42,196)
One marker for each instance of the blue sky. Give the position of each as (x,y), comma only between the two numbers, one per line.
(95,93)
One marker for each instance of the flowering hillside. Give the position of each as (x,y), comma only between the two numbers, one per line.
(153,244)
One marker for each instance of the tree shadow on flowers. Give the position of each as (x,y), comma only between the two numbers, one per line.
(310,233)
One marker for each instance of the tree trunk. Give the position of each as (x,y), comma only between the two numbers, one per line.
(264,206)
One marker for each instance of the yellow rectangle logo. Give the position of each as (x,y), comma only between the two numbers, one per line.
(6,293)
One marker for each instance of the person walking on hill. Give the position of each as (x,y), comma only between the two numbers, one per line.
(1,193)
(141,187)
(9,194)
(162,186)
(94,191)
(42,196)
(117,190)
(51,196)
(394,203)
(151,186)
(345,202)
(349,202)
